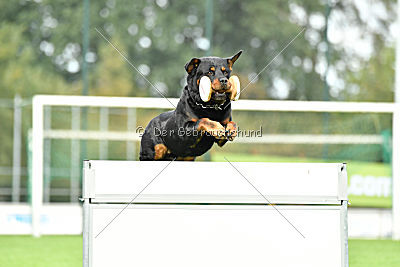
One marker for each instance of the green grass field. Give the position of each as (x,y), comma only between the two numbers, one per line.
(353,167)
(66,251)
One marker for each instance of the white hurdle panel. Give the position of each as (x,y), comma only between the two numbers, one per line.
(207,214)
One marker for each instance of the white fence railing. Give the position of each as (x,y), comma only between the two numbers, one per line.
(39,133)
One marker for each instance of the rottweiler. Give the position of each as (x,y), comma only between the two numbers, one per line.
(203,114)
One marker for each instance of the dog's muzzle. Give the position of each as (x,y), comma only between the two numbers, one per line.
(232,88)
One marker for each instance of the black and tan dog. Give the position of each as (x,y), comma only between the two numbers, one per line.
(202,116)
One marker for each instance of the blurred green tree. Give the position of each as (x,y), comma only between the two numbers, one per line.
(375,80)
(41,50)
(162,35)
(112,77)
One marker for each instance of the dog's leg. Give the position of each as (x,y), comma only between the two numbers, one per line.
(159,151)
(213,128)
(231,130)
(147,147)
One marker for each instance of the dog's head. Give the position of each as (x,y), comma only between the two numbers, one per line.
(210,80)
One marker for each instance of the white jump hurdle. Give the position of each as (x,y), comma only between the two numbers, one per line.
(207,214)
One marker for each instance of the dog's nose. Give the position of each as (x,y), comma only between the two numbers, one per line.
(223,80)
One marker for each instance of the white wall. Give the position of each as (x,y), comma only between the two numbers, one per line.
(67,220)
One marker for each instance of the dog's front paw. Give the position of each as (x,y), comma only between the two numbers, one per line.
(212,128)
(231,130)
(218,131)
(221,142)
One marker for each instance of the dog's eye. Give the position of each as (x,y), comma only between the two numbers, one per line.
(211,72)
(225,73)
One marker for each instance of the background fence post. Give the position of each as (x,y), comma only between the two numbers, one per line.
(396,142)
(16,172)
(47,156)
(75,171)
(131,125)
(103,144)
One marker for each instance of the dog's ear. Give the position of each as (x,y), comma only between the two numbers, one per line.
(233,59)
(192,64)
